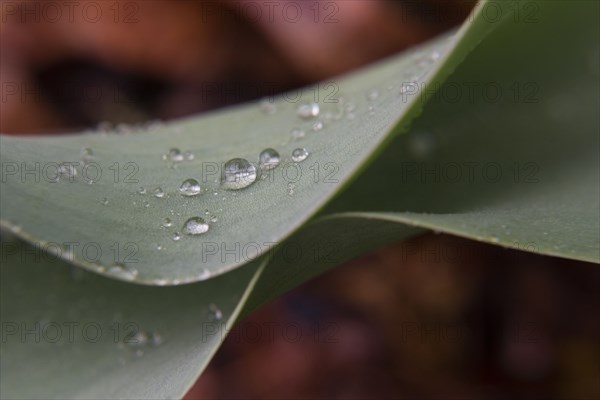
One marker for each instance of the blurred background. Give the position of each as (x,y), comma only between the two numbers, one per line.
(436,317)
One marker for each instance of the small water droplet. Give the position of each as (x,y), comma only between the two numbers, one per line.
(146,204)
(297,133)
(86,155)
(309,110)
(190,187)
(317,126)
(159,247)
(156,339)
(268,106)
(299,154)
(214,312)
(123,272)
(409,86)
(142,190)
(175,155)
(291,188)
(167,223)
(67,170)
(188,155)
(213,219)
(104,201)
(203,275)
(269,159)
(176,236)
(373,94)
(195,226)
(159,193)
(238,173)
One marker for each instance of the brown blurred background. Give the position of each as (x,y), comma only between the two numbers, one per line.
(433,318)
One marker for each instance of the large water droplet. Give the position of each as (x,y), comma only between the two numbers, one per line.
(238,174)
(299,154)
(310,110)
(269,159)
(190,187)
(195,226)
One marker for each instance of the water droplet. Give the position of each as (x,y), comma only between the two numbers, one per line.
(176,236)
(146,204)
(203,275)
(317,126)
(409,86)
(175,155)
(86,155)
(213,219)
(291,188)
(310,110)
(373,94)
(142,190)
(215,313)
(297,133)
(269,159)
(159,247)
(167,223)
(67,170)
(190,187)
(156,339)
(299,154)
(123,272)
(195,226)
(188,155)
(268,106)
(238,174)
(158,192)
(104,201)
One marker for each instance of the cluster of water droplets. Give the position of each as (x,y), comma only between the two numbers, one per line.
(240,173)
(139,342)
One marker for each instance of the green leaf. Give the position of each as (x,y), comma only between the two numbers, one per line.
(69,215)
(550,206)
(68,333)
